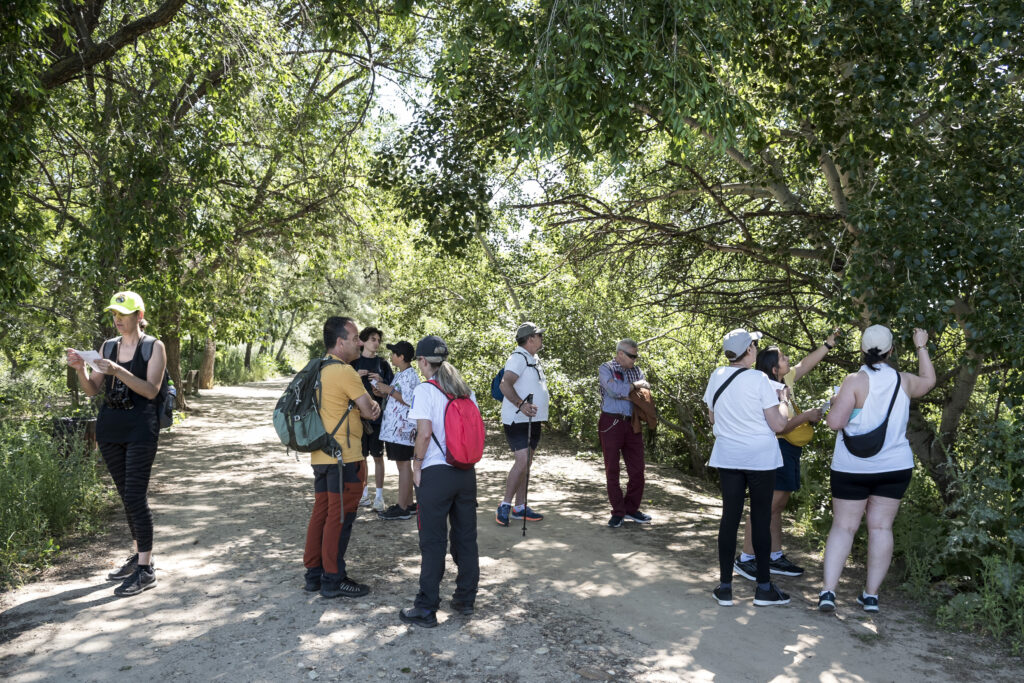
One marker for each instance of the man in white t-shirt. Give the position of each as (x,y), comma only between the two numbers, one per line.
(524,407)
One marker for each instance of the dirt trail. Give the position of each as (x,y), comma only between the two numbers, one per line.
(573,600)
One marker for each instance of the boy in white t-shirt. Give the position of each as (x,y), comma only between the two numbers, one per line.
(524,407)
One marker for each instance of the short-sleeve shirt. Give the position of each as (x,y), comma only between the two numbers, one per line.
(429,403)
(743,439)
(341,384)
(530,379)
(396,426)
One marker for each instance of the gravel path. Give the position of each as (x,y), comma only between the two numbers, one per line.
(573,600)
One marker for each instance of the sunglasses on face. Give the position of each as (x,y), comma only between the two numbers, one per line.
(633,356)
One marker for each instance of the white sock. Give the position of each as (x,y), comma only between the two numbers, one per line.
(869,595)
(366,491)
(380,494)
(776,554)
(519,508)
(746,557)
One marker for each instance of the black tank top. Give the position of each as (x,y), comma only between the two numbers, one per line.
(139,423)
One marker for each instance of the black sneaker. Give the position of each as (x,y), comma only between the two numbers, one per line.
(615,522)
(413,507)
(312,582)
(419,616)
(785,567)
(723,595)
(870,602)
(346,589)
(772,596)
(461,607)
(125,570)
(638,517)
(140,580)
(827,601)
(395,512)
(747,569)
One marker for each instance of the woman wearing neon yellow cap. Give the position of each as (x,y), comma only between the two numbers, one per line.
(129,374)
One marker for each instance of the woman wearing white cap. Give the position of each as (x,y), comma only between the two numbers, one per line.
(872,461)
(743,407)
(130,373)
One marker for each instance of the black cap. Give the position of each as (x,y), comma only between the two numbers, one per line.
(431,347)
(403,349)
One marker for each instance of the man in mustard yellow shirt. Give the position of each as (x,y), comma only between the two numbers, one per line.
(337,486)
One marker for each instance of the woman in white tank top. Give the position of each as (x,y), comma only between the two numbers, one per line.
(871,487)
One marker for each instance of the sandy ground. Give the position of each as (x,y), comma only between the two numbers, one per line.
(572,600)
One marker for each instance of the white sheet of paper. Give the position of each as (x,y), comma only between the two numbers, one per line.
(90,357)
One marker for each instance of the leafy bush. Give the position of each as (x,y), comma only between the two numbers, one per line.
(230,369)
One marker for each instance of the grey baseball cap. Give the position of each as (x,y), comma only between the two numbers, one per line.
(528,329)
(432,348)
(737,341)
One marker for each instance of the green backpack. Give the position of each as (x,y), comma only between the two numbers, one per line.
(297,415)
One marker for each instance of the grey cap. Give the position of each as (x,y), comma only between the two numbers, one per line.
(737,341)
(876,337)
(432,348)
(528,329)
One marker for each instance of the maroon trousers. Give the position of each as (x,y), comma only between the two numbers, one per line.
(617,437)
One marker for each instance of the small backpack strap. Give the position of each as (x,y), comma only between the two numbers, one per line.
(433,434)
(109,348)
(727,382)
(147,347)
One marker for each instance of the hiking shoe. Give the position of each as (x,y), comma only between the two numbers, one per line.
(395,512)
(827,601)
(346,589)
(140,580)
(615,522)
(378,504)
(366,501)
(785,567)
(501,517)
(125,570)
(527,514)
(772,596)
(312,584)
(723,595)
(465,608)
(413,508)
(638,517)
(748,569)
(420,616)
(870,602)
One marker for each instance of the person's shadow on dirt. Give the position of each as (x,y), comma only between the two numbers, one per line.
(57,608)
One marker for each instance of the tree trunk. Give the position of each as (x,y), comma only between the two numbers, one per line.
(206,367)
(288,333)
(248,355)
(172,344)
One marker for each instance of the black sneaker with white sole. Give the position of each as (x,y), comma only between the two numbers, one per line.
(140,580)
(615,522)
(638,517)
(771,596)
(347,588)
(125,570)
(869,602)
(746,568)
(784,567)
(723,595)
(827,601)
(395,512)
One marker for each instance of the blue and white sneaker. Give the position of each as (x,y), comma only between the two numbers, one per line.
(527,514)
(501,517)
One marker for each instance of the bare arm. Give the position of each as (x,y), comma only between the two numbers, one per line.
(776,420)
(814,357)
(507,386)
(424,430)
(368,408)
(921,383)
(91,384)
(812,415)
(842,407)
(147,388)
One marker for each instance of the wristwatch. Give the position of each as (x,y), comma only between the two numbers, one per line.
(827,345)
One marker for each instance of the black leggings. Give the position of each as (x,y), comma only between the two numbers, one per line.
(129,465)
(734,488)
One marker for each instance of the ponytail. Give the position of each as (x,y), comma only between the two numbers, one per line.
(872,357)
(451,380)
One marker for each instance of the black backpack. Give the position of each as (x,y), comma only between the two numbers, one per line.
(167,394)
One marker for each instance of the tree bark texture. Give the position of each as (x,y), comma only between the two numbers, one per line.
(206,367)
(248,355)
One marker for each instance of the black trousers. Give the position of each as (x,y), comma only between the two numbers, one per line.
(446,494)
(734,488)
(130,465)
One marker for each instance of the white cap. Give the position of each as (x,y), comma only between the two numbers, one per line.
(876,337)
(737,341)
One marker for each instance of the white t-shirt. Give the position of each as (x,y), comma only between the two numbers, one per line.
(429,403)
(895,454)
(743,439)
(530,380)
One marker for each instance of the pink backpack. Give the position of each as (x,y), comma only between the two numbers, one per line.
(463,431)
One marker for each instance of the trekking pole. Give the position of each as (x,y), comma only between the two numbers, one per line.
(529,459)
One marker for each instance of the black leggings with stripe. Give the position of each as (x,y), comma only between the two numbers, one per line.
(129,465)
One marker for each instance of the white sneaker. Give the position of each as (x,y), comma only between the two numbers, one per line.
(366,501)
(378,504)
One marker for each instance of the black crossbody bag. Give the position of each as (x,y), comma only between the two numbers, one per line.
(868,444)
(714,399)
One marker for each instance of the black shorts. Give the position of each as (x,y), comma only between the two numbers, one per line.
(399,452)
(372,445)
(787,477)
(515,434)
(849,486)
